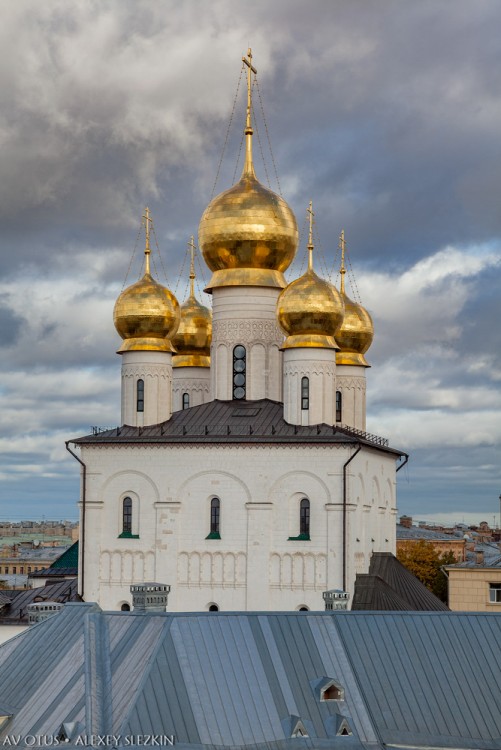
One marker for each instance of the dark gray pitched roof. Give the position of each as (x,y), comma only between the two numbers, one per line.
(17,609)
(229,422)
(240,680)
(390,586)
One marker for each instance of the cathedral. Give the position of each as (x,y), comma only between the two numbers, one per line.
(242,475)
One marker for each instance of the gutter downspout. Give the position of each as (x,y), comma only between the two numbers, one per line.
(344,510)
(82,530)
(403,463)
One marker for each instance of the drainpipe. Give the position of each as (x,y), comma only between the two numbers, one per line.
(344,511)
(403,462)
(82,530)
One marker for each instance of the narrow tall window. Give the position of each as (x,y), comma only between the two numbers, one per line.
(186,400)
(239,368)
(140,395)
(304,517)
(339,406)
(127,516)
(215,513)
(305,394)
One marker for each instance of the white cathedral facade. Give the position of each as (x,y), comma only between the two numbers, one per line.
(242,475)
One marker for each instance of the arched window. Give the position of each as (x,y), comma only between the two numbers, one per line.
(239,372)
(215,512)
(305,394)
(140,395)
(186,400)
(127,516)
(125,607)
(213,608)
(304,517)
(339,406)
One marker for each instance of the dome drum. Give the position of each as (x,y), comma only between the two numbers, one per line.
(190,360)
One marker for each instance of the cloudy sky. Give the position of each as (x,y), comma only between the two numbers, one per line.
(387,115)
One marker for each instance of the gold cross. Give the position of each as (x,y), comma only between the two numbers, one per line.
(342,247)
(191,245)
(147,221)
(251,69)
(310,236)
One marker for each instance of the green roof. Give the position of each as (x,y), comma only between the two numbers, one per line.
(69,558)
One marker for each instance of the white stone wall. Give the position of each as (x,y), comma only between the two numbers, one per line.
(246,316)
(254,565)
(350,380)
(319,366)
(155,369)
(195,381)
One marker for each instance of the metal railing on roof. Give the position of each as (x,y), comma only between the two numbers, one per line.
(369,436)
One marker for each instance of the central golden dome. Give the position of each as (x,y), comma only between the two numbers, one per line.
(248,234)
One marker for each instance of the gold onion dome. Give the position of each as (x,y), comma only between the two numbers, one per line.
(248,234)
(310,310)
(357,330)
(193,338)
(146,314)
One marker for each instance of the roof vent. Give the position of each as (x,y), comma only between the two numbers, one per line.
(40,611)
(150,597)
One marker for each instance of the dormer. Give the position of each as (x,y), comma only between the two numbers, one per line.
(294,727)
(328,689)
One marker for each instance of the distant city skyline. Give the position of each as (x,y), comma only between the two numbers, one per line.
(386,116)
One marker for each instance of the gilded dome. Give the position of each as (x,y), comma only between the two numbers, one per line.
(310,311)
(248,235)
(193,338)
(146,316)
(355,334)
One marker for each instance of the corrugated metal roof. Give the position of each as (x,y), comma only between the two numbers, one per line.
(230,422)
(242,680)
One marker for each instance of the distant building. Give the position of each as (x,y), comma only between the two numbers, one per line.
(450,541)
(475,584)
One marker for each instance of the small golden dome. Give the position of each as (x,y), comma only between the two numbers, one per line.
(146,314)
(355,334)
(310,311)
(357,331)
(193,338)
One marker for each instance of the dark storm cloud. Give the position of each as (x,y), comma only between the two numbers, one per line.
(387,113)
(10,324)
